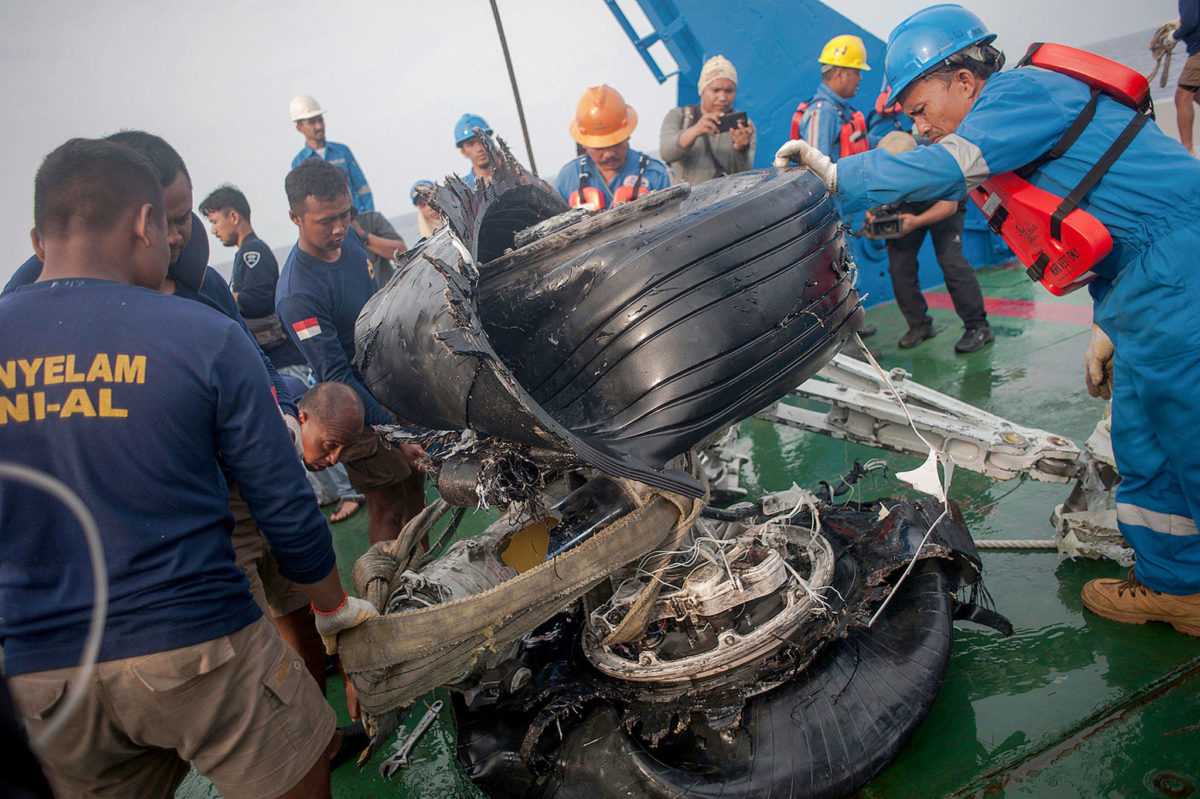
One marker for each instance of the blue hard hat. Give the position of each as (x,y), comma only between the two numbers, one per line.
(464,128)
(926,39)
(421,188)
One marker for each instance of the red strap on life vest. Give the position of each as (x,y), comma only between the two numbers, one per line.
(592,199)
(1020,212)
(625,194)
(638,188)
(853,139)
(852,136)
(1118,81)
(587,197)
(796,117)
(881,103)
(1058,242)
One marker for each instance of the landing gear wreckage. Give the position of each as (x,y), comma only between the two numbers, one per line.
(615,633)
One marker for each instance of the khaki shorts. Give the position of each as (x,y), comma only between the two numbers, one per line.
(376,466)
(274,593)
(1189,78)
(373,464)
(242,708)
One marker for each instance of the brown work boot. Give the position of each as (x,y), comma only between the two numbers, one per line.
(1131,602)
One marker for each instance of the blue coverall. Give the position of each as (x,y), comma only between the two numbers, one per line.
(1146,297)
(656,177)
(340,156)
(821,123)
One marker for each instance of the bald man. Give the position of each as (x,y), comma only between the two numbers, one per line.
(332,425)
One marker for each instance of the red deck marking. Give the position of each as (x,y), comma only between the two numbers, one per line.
(1021,309)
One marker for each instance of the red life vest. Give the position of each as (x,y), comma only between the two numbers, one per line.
(881,103)
(852,138)
(593,198)
(1058,242)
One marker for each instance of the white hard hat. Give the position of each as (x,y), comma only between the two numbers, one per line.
(304,107)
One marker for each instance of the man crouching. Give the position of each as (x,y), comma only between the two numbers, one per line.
(333,430)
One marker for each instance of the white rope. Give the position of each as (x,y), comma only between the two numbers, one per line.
(945,482)
(1030,544)
(79,684)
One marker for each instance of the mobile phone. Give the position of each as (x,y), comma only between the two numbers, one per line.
(730,121)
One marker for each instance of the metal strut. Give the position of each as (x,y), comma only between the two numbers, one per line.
(861,408)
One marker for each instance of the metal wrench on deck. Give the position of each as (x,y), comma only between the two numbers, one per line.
(399,758)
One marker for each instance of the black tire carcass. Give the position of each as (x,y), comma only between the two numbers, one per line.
(825,732)
(623,338)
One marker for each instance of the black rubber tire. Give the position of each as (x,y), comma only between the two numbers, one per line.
(687,315)
(825,735)
(626,338)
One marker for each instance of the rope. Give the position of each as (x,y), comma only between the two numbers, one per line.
(512,78)
(943,481)
(80,682)
(1018,544)
(1162,44)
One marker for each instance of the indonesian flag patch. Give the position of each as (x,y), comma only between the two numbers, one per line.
(307,328)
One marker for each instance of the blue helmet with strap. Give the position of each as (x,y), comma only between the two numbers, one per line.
(926,39)
(464,128)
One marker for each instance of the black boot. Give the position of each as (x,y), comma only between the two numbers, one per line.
(974,339)
(916,335)
(867,331)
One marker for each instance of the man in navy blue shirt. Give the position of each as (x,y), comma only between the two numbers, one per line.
(255,272)
(142,403)
(255,275)
(323,288)
(189,277)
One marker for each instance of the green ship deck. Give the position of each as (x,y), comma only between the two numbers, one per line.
(1071,705)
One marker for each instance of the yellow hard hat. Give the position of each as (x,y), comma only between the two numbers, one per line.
(845,51)
(602,118)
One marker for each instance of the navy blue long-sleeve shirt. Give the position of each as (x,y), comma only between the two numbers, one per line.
(1189,25)
(213,292)
(255,275)
(319,303)
(141,403)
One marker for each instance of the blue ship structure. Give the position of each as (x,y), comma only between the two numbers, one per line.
(774,45)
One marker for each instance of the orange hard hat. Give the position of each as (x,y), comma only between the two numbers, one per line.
(602,118)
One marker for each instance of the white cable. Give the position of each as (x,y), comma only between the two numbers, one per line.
(895,393)
(91,532)
(945,483)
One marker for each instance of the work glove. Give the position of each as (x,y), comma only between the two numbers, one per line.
(1098,364)
(806,155)
(350,613)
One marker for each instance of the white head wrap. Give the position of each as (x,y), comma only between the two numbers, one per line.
(716,67)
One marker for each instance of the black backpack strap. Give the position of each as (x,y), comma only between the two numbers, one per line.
(1096,173)
(1068,138)
(713,157)
(583,175)
(691,114)
(643,162)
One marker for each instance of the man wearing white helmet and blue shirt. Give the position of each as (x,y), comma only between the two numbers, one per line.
(1091,151)
(309,117)
(469,133)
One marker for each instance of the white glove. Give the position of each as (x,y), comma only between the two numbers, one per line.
(806,155)
(351,613)
(1098,364)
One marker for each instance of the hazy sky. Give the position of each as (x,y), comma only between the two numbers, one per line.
(214,79)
